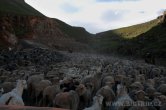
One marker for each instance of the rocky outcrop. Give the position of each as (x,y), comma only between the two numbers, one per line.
(42,30)
(162,19)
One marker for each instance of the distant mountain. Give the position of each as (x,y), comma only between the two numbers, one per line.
(19,22)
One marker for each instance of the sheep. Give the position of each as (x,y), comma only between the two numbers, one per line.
(122,98)
(85,94)
(15,96)
(97,103)
(155,72)
(107,80)
(150,91)
(162,98)
(107,93)
(140,78)
(49,94)
(149,83)
(162,89)
(32,82)
(127,81)
(162,80)
(39,88)
(94,80)
(67,100)
(136,86)
(67,84)
(160,102)
(140,95)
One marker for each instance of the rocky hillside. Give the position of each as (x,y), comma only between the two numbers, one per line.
(20,22)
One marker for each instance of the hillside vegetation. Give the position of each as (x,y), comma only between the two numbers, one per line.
(77,33)
(135,40)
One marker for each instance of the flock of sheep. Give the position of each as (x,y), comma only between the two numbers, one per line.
(77,81)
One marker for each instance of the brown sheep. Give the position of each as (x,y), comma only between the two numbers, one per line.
(140,78)
(162,89)
(136,86)
(127,81)
(55,80)
(150,82)
(85,94)
(119,78)
(67,100)
(160,101)
(140,95)
(155,72)
(162,98)
(68,84)
(89,80)
(39,88)
(107,80)
(94,80)
(49,94)
(107,93)
(150,91)
(33,80)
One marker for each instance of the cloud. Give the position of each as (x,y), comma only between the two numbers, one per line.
(69,8)
(112,15)
(100,15)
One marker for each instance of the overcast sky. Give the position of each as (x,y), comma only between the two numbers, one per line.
(100,15)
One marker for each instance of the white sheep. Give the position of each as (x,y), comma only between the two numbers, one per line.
(15,96)
(122,98)
(97,103)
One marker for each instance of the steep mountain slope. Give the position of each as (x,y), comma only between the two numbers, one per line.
(135,40)
(19,21)
(18,7)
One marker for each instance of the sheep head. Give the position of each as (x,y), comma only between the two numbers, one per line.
(22,83)
(98,98)
(81,89)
